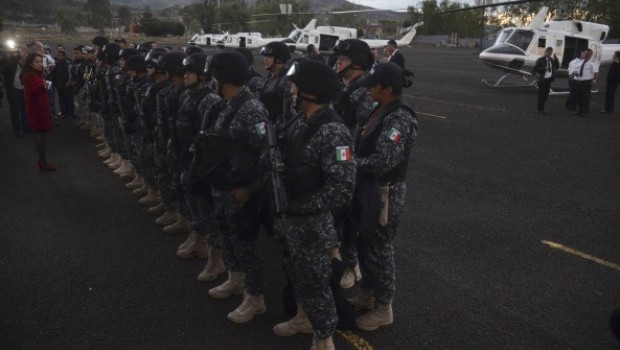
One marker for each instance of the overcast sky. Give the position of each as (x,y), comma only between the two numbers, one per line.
(395,4)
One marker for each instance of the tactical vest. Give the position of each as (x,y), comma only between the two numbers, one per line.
(342,104)
(308,178)
(226,163)
(270,96)
(367,141)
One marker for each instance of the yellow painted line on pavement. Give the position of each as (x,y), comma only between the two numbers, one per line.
(358,342)
(582,255)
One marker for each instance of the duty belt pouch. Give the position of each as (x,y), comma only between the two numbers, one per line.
(385,200)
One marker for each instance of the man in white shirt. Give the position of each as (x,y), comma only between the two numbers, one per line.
(573,66)
(585,73)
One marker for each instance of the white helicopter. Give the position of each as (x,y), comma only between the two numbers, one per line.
(206,40)
(325,37)
(516,49)
(250,40)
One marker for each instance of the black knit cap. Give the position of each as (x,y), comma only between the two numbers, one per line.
(229,67)
(192,49)
(136,63)
(247,54)
(315,78)
(171,62)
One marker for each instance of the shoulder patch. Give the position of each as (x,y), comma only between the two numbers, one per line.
(343,153)
(393,134)
(261,128)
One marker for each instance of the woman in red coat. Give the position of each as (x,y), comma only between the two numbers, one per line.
(37,105)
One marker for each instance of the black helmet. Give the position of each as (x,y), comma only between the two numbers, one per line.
(386,74)
(154,57)
(247,54)
(111,51)
(171,62)
(100,41)
(192,49)
(357,50)
(315,78)
(229,67)
(195,63)
(128,52)
(278,50)
(136,63)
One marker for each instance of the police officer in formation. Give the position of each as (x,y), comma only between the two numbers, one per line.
(189,134)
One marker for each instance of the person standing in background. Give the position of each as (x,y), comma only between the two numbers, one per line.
(60,76)
(395,55)
(613,80)
(545,68)
(14,88)
(37,105)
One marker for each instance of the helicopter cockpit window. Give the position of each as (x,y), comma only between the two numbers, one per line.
(542,42)
(503,36)
(295,35)
(521,39)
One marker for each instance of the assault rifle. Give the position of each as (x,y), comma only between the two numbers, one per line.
(277,167)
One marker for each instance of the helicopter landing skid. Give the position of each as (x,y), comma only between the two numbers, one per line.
(498,83)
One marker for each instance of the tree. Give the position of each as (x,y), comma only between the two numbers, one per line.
(98,13)
(68,18)
(280,25)
(124,16)
(235,13)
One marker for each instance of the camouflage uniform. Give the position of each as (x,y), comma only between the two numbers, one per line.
(187,128)
(241,225)
(169,105)
(116,82)
(276,89)
(308,225)
(151,130)
(255,82)
(134,127)
(383,147)
(354,105)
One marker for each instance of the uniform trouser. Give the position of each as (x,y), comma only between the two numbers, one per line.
(347,237)
(584,88)
(571,101)
(147,158)
(610,96)
(17,104)
(65,99)
(240,227)
(202,215)
(544,86)
(376,251)
(309,239)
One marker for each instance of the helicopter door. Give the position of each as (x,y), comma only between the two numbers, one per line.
(242,41)
(573,48)
(327,42)
(208,41)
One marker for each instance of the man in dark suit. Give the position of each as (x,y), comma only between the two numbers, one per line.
(613,80)
(395,56)
(545,68)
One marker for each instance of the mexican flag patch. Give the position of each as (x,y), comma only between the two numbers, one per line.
(261,129)
(343,153)
(393,135)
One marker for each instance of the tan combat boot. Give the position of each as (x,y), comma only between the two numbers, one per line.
(140,191)
(135,184)
(167,218)
(121,169)
(323,344)
(194,246)
(234,285)
(178,227)
(251,306)
(113,159)
(214,267)
(151,198)
(117,164)
(105,152)
(129,173)
(297,324)
(101,145)
(380,315)
(350,277)
(100,138)
(363,301)
(158,209)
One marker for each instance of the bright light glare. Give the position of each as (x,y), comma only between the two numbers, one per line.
(10,44)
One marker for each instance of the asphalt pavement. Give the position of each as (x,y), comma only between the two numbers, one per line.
(83,266)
